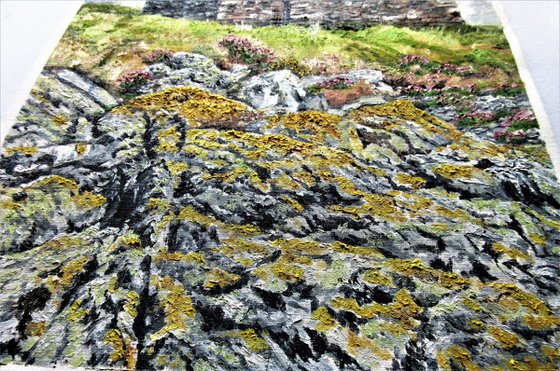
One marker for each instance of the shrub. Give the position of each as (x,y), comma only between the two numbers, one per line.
(130,82)
(336,83)
(521,120)
(241,50)
(412,59)
(475,118)
(157,56)
(512,137)
(291,64)
(452,69)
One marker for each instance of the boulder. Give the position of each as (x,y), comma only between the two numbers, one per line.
(277,91)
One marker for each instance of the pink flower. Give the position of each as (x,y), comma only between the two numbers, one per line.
(499,134)
(517,134)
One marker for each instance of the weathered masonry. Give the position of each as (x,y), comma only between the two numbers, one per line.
(328,13)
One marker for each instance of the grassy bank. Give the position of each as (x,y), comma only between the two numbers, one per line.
(106,40)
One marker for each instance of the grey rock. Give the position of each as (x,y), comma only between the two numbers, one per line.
(278,91)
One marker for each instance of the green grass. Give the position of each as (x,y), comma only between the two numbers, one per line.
(106,40)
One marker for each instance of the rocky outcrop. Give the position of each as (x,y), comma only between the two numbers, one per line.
(187,230)
(193,70)
(277,91)
(330,14)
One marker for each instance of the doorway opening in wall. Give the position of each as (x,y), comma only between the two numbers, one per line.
(278,11)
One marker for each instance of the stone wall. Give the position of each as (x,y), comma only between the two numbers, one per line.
(328,13)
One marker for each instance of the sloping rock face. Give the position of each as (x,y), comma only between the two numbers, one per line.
(328,13)
(186,230)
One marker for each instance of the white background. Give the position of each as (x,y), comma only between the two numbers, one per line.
(30,29)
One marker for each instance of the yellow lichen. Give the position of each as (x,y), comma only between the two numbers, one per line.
(131,240)
(131,304)
(195,257)
(287,272)
(541,322)
(241,172)
(80,148)
(524,298)
(70,270)
(320,123)
(375,277)
(285,181)
(412,181)
(196,105)
(505,338)
(538,239)
(76,314)
(453,171)
(253,340)
(476,324)
(189,213)
(414,268)
(472,304)
(28,151)
(326,321)
(159,204)
(401,111)
(551,352)
(241,245)
(404,308)
(357,344)
(375,205)
(88,200)
(114,338)
(36,328)
(411,202)
(10,205)
(122,350)
(220,278)
(305,177)
(169,256)
(512,253)
(453,281)
(176,305)
(176,168)
(456,355)
(57,181)
(214,110)
(356,250)
(293,203)
(60,120)
(168,140)
(530,363)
